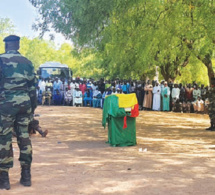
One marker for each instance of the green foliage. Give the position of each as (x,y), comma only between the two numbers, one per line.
(84,64)
(74,19)
(40,51)
(88,64)
(6,27)
(194,71)
(37,50)
(134,36)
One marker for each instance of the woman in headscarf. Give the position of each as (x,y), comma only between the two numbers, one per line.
(166,95)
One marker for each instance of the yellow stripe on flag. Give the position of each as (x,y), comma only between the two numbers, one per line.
(127,100)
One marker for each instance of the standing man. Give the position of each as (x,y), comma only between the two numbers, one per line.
(189,93)
(17,103)
(102,86)
(56,84)
(166,97)
(175,93)
(147,102)
(162,87)
(139,94)
(196,92)
(156,97)
(211,106)
(182,93)
(83,87)
(203,92)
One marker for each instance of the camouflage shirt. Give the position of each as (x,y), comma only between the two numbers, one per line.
(16,76)
(211,95)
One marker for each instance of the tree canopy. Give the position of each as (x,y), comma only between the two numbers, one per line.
(134,36)
(38,50)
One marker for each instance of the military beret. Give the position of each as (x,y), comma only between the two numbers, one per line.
(11,38)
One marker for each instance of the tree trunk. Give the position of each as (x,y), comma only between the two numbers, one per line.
(166,74)
(170,75)
(210,71)
(208,63)
(143,77)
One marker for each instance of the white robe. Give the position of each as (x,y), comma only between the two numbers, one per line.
(42,85)
(77,97)
(72,88)
(156,98)
(175,93)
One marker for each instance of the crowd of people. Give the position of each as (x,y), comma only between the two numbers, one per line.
(173,97)
(151,95)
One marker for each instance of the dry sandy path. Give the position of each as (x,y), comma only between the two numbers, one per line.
(74,158)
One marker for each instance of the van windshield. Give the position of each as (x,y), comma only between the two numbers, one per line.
(54,72)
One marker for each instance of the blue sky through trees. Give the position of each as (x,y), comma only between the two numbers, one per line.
(23,15)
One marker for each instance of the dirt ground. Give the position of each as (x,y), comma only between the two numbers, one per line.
(177,157)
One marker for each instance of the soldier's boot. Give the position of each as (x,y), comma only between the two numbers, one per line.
(4,180)
(26,175)
(45,133)
(213,127)
(210,128)
(41,132)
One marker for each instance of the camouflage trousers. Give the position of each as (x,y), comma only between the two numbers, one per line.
(212,116)
(211,112)
(14,116)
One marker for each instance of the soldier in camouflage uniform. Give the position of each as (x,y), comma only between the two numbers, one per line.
(17,102)
(211,106)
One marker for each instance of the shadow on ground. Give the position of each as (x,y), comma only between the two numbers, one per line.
(74,158)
